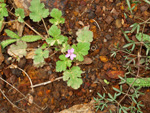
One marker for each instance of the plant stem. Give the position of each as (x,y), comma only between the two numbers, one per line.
(45,83)
(138,72)
(45,26)
(34,30)
(20,93)
(28,26)
(12,102)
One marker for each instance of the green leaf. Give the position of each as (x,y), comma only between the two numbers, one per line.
(50,41)
(20,14)
(54,31)
(7,42)
(62,57)
(44,46)
(73,77)
(129,6)
(57,38)
(65,47)
(60,66)
(84,35)
(126,36)
(12,34)
(45,53)
(38,11)
(1,22)
(18,49)
(147,1)
(63,64)
(31,38)
(57,19)
(56,13)
(127,45)
(80,50)
(60,39)
(1,0)
(141,82)
(3,10)
(138,28)
(146,38)
(117,90)
(38,59)
(135,25)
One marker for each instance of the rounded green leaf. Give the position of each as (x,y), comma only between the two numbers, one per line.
(54,31)
(20,14)
(50,41)
(38,11)
(73,77)
(56,13)
(84,35)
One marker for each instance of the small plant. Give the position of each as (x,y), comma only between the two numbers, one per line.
(14,37)
(39,56)
(104,100)
(3,12)
(135,60)
(75,52)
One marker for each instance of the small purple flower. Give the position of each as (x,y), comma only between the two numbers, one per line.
(70,54)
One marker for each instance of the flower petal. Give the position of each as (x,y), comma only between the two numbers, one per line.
(72,56)
(67,55)
(71,50)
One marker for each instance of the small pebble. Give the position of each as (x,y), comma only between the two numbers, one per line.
(103,58)
(105,40)
(108,37)
(91,15)
(118,23)
(93,85)
(109,19)
(16,72)
(143,8)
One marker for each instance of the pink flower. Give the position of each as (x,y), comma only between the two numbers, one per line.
(70,54)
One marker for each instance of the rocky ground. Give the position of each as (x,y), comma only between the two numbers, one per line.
(106,19)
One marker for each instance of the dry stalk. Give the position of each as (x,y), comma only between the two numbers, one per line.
(45,83)
(138,62)
(12,102)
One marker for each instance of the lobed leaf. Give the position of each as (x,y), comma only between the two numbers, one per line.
(65,47)
(80,50)
(38,11)
(84,35)
(3,10)
(20,14)
(56,13)
(50,41)
(73,77)
(57,19)
(38,59)
(18,49)
(54,31)
(62,64)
